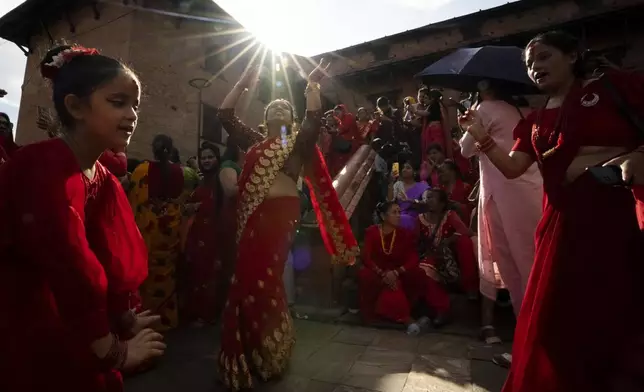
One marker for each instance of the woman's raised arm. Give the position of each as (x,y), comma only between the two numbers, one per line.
(512,164)
(243,135)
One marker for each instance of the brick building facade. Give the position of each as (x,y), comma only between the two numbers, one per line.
(171,42)
(167,51)
(387,66)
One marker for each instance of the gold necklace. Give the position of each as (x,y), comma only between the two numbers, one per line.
(382,241)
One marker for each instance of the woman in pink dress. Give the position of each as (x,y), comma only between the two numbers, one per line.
(508,212)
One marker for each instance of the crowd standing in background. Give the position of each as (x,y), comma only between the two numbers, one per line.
(100,254)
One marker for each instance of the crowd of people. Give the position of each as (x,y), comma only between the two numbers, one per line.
(99,255)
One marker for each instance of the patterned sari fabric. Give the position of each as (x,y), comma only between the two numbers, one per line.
(453,260)
(156,202)
(257,332)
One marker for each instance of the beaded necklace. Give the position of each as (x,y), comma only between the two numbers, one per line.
(382,241)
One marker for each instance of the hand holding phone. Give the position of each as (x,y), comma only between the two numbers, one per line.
(459,106)
(610,175)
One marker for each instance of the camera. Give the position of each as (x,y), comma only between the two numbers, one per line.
(392,151)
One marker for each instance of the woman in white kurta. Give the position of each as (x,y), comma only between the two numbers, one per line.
(508,212)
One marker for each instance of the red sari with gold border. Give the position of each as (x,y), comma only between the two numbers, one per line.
(257,330)
(581,323)
(71,261)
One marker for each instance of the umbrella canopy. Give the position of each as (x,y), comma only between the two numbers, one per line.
(464,68)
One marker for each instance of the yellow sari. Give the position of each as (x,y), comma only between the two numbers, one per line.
(159,220)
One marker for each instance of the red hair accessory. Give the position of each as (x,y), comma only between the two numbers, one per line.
(50,70)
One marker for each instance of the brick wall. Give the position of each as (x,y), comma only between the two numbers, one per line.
(165,54)
(508,29)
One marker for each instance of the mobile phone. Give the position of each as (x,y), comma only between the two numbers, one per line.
(607,175)
(459,106)
(395,169)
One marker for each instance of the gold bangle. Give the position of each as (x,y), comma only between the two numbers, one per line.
(311,87)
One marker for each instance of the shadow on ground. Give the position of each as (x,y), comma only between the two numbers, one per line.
(338,358)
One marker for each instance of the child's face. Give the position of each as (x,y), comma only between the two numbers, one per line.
(112,113)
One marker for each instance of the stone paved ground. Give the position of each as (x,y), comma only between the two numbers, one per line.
(338,358)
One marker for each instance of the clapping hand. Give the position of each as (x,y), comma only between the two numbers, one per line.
(389,278)
(144,320)
(142,348)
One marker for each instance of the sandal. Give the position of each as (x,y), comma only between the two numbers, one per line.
(488,335)
(504,360)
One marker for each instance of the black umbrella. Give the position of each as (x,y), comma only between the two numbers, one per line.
(464,68)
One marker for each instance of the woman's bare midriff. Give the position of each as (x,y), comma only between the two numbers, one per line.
(589,156)
(282,186)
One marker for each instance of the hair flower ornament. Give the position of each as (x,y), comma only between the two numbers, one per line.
(50,69)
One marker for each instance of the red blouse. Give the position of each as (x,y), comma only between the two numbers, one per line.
(404,251)
(592,118)
(71,257)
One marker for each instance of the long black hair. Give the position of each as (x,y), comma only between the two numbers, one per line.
(162,150)
(566,43)
(80,74)
(214,175)
(382,208)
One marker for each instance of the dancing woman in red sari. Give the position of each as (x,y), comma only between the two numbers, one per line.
(202,269)
(257,330)
(581,324)
(71,256)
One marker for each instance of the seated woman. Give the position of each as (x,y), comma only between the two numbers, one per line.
(446,244)
(407,192)
(458,191)
(390,281)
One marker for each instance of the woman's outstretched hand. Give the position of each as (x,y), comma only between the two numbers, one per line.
(319,72)
(471,122)
(249,77)
(143,347)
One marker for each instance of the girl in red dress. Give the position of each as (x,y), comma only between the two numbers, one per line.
(71,256)
(581,323)
(203,267)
